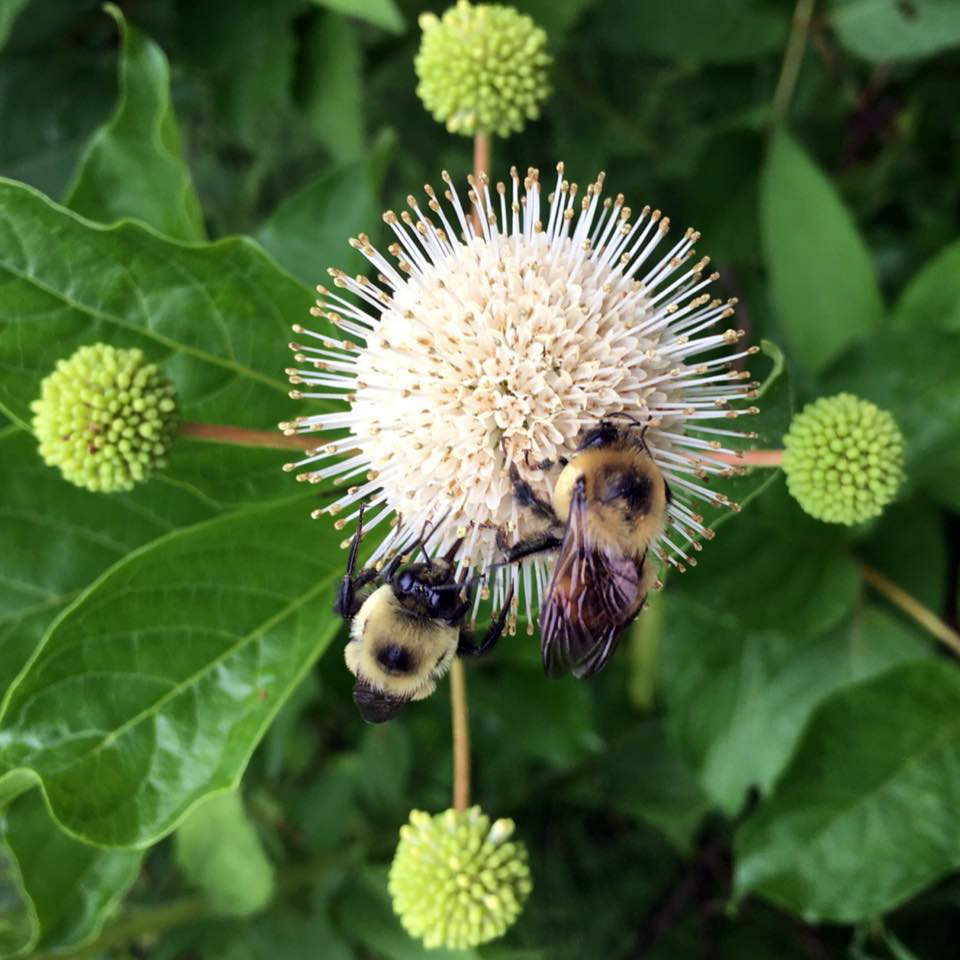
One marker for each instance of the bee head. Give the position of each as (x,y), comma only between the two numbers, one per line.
(429,589)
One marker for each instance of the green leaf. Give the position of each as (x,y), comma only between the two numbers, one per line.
(134,165)
(884,30)
(67,888)
(218,850)
(308,231)
(711,31)
(758,635)
(56,538)
(381,13)
(215,316)
(331,91)
(556,17)
(931,301)
(822,283)
(154,687)
(9,11)
(865,815)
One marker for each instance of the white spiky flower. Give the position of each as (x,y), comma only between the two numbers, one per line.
(499,333)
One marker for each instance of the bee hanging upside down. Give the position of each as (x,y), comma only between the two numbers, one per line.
(608,505)
(406,632)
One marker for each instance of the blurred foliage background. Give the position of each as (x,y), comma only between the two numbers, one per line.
(770,768)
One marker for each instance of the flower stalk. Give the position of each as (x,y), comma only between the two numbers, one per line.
(242,437)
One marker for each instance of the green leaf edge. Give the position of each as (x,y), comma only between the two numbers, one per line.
(17,779)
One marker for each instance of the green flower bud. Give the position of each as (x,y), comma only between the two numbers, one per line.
(105,417)
(457,880)
(843,458)
(482,68)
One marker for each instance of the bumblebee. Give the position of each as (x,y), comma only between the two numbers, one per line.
(406,632)
(609,504)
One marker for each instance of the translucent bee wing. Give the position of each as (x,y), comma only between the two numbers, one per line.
(593,596)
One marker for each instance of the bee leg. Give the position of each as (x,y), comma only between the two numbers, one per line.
(543,465)
(467,649)
(525,496)
(538,543)
(346,600)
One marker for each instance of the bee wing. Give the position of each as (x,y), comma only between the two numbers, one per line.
(592,597)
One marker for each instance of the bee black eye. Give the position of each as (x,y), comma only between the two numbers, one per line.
(394,659)
(405,582)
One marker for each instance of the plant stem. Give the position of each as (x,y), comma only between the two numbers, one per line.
(751,458)
(461,736)
(240,436)
(792,58)
(481,155)
(912,607)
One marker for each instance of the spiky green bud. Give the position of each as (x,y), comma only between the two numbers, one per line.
(482,68)
(105,417)
(457,880)
(843,458)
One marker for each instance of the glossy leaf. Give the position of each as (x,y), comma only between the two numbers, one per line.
(931,301)
(874,781)
(134,165)
(757,635)
(152,690)
(69,888)
(215,316)
(381,13)
(822,284)
(881,31)
(58,538)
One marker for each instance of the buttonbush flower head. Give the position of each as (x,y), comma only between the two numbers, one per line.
(482,68)
(496,339)
(458,880)
(105,417)
(843,458)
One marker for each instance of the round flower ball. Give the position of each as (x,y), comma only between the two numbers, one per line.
(458,880)
(843,459)
(500,328)
(482,68)
(105,418)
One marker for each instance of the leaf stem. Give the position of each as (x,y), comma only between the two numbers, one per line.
(792,58)
(912,607)
(241,436)
(751,458)
(461,736)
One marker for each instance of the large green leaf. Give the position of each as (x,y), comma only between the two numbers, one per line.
(756,636)
(56,538)
(382,13)
(865,815)
(68,888)
(215,316)
(822,283)
(134,165)
(154,687)
(884,30)
(931,301)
